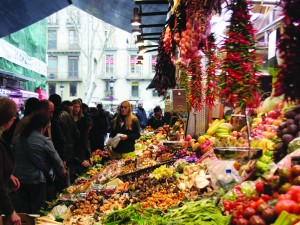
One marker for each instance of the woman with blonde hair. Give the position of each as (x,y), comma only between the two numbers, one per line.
(126,124)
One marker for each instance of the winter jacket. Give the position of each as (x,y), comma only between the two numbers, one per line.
(6,169)
(42,151)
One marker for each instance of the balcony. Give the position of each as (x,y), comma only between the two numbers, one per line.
(65,47)
(57,77)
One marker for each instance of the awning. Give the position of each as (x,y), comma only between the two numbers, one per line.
(18,14)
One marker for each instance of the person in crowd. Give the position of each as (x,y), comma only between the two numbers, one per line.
(64,134)
(47,107)
(85,109)
(141,115)
(77,110)
(8,110)
(82,152)
(99,129)
(68,105)
(157,120)
(128,125)
(108,115)
(35,155)
(31,106)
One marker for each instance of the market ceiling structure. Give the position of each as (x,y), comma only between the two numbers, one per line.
(18,14)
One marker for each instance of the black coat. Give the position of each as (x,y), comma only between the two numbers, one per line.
(64,134)
(127,145)
(6,169)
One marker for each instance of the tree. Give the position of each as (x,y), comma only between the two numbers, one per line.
(93,35)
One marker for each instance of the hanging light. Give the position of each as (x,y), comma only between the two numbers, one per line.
(139,41)
(139,63)
(136,30)
(142,50)
(136,21)
(140,58)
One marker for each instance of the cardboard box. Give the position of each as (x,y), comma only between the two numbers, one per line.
(26,219)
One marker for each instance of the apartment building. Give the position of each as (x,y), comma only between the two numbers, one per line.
(94,61)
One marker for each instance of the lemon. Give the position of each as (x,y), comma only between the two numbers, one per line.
(201,139)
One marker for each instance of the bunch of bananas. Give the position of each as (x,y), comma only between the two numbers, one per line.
(224,130)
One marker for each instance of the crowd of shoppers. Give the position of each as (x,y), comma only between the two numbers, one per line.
(56,137)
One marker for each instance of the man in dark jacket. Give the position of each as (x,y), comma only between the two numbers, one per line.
(141,115)
(157,120)
(64,136)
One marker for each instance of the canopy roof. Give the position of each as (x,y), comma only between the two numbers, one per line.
(18,14)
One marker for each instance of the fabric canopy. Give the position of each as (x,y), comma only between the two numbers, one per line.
(18,14)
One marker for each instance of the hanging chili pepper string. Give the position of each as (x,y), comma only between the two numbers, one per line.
(211,77)
(239,85)
(288,79)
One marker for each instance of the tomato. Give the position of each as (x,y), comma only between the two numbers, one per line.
(294,188)
(286,205)
(266,197)
(248,212)
(287,196)
(260,186)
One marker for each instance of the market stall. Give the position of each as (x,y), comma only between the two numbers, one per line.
(244,169)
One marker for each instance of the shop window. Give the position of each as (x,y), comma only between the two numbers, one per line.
(109,64)
(134,67)
(51,88)
(73,67)
(153,63)
(52,39)
(73,40)
(73,89)
(135,89)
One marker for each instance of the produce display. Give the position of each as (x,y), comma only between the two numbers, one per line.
(232,173)
(190,185)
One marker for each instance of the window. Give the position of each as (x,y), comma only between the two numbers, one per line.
(135,89)
(52,88)
(73,89)
(154,93)
(73,39)
(153,63)
(52,39)
(73,67)
(52,20)
(109,64)
(134,68)
(52,67)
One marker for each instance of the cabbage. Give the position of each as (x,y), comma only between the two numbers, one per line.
(270,102)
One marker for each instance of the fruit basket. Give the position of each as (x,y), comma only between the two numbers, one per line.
(240,154)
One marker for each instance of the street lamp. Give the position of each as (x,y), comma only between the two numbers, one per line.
(111,86)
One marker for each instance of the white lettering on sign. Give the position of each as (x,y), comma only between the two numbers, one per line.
(19,57)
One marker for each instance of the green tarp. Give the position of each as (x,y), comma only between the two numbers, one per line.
(33,41)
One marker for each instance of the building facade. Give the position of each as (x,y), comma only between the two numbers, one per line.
(96,62)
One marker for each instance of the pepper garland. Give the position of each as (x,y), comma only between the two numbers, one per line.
(211,89)
(239,86)
(288,79)
(164,77)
